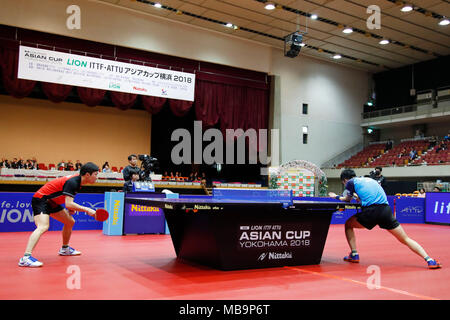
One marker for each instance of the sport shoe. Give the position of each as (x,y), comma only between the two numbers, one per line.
(29,261)
(352,257)
(69,251)
(434,264)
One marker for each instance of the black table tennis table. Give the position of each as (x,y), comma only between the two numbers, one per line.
(233,234)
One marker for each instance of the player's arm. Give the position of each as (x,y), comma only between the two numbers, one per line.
(346,196)
(70,190)
(71,205)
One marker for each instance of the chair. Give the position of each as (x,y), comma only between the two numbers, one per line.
(114,169)
(51,166)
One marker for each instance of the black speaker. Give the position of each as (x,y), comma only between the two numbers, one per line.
(292,44)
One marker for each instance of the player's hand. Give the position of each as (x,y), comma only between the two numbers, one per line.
(90,212)
(332,194)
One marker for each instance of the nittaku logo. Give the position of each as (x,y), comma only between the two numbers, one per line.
(275,256)
(163,92)
(262,256)
(139,89)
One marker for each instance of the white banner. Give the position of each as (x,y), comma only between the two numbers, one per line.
(71,69)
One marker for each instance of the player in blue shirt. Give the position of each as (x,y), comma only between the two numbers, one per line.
(375,211)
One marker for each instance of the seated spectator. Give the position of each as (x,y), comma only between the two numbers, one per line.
(442,146)
(5,163)
(172,177)
(69,165)
(436,189)
(128,186)
(413,154)
(388,146)
(203,178)
(35,163)
(21,163)
(447,137)
(105,167)
(14,163)
(17,164)
(179,177)
(61,165)
(421,193)
(28,165)
(432,142)
(78,165)
(191,177)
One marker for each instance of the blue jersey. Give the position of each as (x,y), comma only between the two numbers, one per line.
(367,189)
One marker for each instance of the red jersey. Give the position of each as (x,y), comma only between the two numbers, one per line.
(57,189)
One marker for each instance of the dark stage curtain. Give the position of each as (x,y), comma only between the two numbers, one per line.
(180,107)
(235,107)
(56,92)
(9,58)
(153,104)
(91,97)
(122,100)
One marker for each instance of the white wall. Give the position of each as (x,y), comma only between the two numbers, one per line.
(335,96)
(439,129)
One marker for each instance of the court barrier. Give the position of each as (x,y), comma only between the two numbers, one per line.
(16,213)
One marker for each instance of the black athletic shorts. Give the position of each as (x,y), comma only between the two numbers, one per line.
(377,214)
(44,206)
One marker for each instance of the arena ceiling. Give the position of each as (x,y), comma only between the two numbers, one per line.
(414,36)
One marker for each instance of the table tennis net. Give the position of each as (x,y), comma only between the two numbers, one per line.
(263,195)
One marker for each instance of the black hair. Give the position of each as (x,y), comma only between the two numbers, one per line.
(438,188)
(131,156)
(381,169)
(134,171)
(347,174)
(88,167)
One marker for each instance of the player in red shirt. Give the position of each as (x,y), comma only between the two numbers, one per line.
(47,203)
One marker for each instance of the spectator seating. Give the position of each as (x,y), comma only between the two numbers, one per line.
(434,157)
(399,155)
(363,157)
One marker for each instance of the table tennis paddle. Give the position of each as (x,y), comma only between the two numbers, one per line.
(101,214)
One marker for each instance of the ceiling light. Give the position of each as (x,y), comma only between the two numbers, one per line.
(314,16)
(337,56)
(158,5)
(406,8)
(302,44)
(347,30)
(269,6)
(384,41)
(229,25)
(444,22)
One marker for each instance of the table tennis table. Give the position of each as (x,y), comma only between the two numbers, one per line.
(244,229)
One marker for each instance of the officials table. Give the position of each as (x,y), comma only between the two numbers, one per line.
(242,229)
